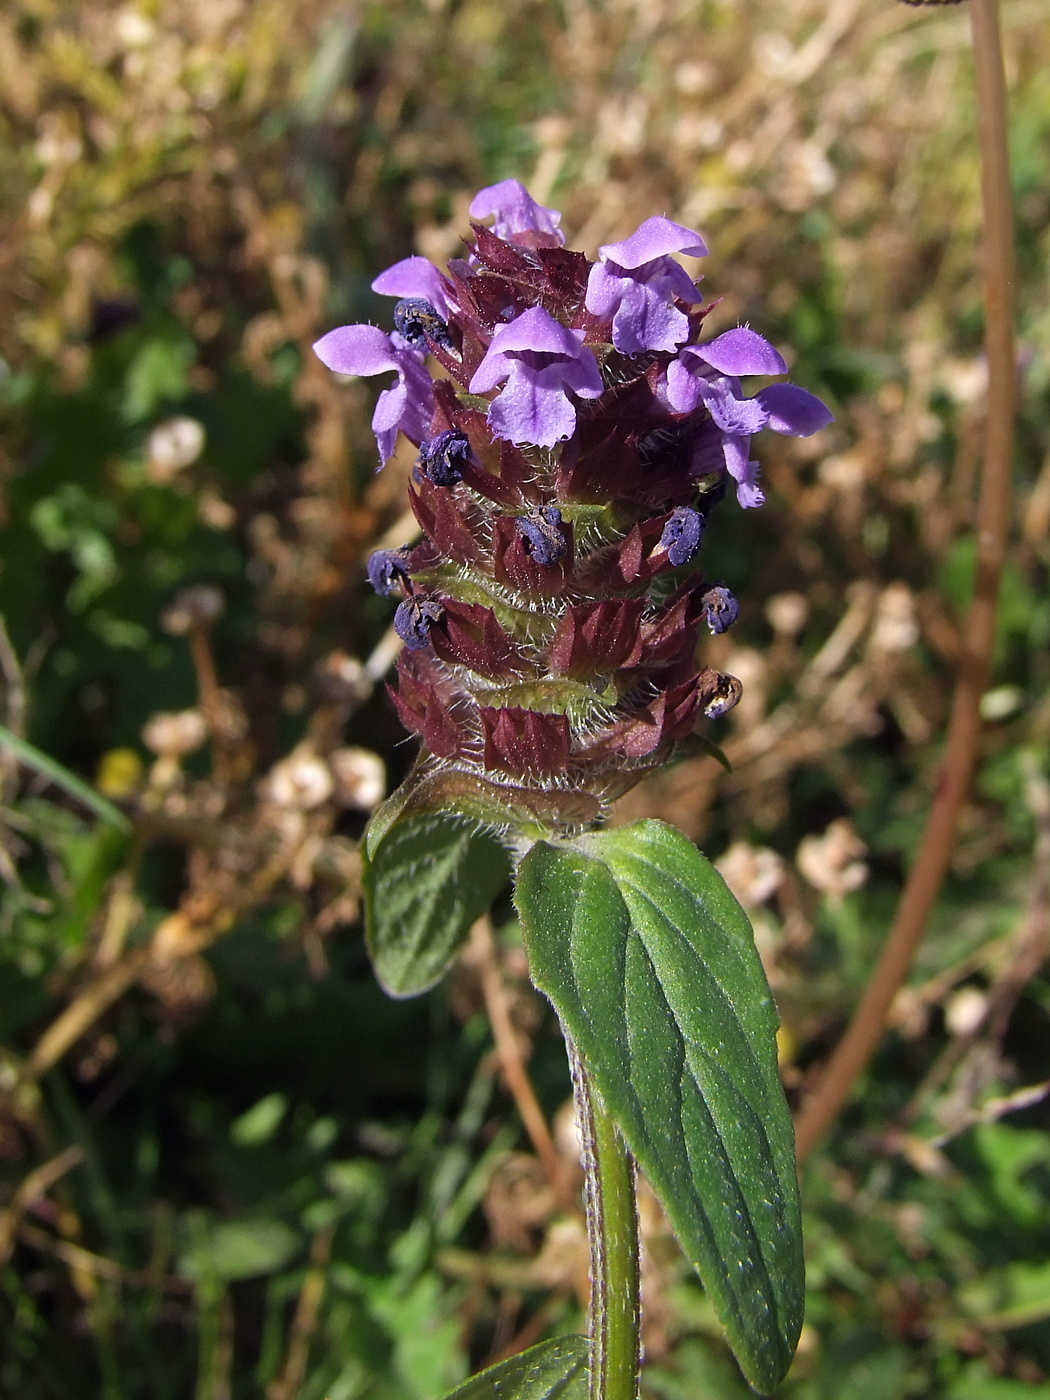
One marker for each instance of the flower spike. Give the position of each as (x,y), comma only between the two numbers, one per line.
(552,614)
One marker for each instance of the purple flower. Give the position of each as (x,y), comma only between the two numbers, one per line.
(407,405)
(515,211)
(542,362)
(636,282)
(416,277)
(709,374)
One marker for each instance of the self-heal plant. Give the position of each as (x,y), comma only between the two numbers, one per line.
(572,453)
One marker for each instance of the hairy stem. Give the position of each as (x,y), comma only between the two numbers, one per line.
(938,839)
(612,1226)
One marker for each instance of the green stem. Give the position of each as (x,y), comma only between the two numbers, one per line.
(612,1226)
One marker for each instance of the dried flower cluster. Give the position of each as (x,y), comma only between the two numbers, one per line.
(569,460)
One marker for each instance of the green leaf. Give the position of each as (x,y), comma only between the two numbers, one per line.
(427,877)
(1015,1296)
(260,1122)
(237,1249)
(551,1371)
(651,965)
(55,773)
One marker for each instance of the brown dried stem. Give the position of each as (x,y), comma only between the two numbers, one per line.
(938,839)
(304,1324)
(35,1186)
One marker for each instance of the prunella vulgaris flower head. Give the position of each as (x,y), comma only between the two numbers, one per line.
(571,453)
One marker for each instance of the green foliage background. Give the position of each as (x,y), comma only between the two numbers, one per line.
(266,1178)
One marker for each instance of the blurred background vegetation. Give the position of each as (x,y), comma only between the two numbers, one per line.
(229,1167)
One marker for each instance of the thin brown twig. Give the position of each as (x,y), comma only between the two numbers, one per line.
(938,839)
(304,1324)
(210,698)
(97,1265)
(93,1001)
(508,1049)
(31,1189)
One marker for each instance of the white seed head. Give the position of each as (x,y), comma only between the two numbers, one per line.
(301,782)
(173,734)
(360,778)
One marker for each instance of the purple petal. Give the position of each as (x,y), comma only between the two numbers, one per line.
(414,277)
(604,290)
(683,388)
(543,534)
(581,375)
(719,608)
(672,280)
(515,210)
(740,351)
(413,620)
(386,569)
(794,411)
(748,492)
(356,350)
(537,329)
(743,471)
(529,411)
(654,239)
(407,406)
(492,370)
(386,418)
(732,414)
(645,320)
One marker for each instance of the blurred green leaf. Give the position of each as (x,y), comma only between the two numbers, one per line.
(1011,1297)
(260,1122)
(978,1383)
(158,373)
(40,763)
(237,1249)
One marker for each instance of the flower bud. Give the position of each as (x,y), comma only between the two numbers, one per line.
(718,693)
(413,620)
(682,535)
(719,609)
(444,458)
(386,568)
(543,535)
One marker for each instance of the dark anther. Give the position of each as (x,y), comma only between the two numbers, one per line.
(386,568)
(444,457)
(413,620)
(681,536)
(542,534)
(719,609)
(415,319)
